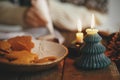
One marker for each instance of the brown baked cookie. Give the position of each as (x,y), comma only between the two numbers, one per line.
(45,59)
(5,45)
(21,57)
(21,43)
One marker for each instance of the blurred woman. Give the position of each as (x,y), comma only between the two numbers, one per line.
(20,12)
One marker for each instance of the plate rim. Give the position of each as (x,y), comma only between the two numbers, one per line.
(46,64)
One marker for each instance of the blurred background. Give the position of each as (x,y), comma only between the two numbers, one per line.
(16,15)
(114,12)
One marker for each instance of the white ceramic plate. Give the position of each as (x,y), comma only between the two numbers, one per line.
(43,49)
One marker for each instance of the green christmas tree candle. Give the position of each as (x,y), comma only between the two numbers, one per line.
(92,52)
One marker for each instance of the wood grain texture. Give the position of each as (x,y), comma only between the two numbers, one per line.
(9,75)
(55,73)
(72,73)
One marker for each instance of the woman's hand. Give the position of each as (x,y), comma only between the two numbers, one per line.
(33,18)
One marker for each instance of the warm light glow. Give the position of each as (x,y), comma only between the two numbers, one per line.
(79,37)
(79,25)
(79,34)
(92,30)
(93,21)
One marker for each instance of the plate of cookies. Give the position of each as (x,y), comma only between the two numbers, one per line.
(23,53)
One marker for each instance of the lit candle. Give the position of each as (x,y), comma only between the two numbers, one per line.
(92,30)
(79,34)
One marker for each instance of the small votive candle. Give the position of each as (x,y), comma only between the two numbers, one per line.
(79,34)
(74,48)
(79,37)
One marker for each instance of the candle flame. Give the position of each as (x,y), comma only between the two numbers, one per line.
(79,25)
(93,21)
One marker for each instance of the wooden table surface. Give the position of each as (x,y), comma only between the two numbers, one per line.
(65,70)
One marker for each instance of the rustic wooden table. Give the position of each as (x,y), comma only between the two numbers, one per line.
(65,70)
